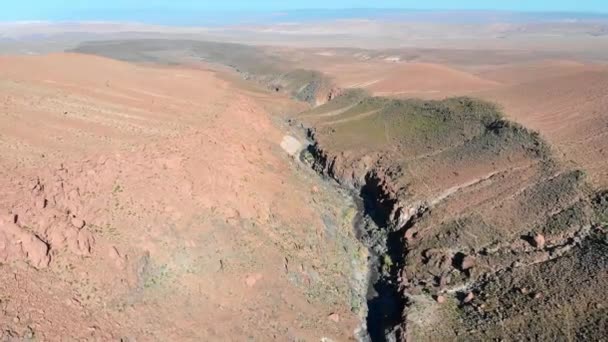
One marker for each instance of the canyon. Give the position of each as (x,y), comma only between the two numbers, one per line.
(185,189)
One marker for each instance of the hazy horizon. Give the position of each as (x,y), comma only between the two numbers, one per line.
(193,13)
(227,17)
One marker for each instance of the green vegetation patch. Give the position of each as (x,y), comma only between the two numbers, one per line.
(464,126)
(600,206)
(469,231)
(575,216)
(551,194)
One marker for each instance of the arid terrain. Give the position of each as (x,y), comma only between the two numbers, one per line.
(351,183)
(157,204)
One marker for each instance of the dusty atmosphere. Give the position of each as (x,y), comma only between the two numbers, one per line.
(346,180)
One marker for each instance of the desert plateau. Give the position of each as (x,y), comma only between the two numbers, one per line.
(308,175)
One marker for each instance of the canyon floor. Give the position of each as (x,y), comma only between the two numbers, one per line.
(183,190)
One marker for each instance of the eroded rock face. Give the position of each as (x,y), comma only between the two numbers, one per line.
(333,93)
(17,243)
(468,262)
(464,207)
(46,215)
(539,241)
(348,169)
(369,175)
(468,298)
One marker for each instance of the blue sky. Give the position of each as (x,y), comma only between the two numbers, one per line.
(156,10)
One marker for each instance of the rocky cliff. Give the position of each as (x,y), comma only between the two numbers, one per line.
(460,201)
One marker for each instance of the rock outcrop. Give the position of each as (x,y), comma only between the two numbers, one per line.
(451,217)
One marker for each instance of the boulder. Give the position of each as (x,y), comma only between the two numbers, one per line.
(539,241)
(468,262)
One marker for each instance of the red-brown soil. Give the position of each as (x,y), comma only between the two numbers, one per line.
(568,105)
(147,203)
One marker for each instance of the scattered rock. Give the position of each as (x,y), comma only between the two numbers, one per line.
(29,333)
(41,203)
(334,317)
(80,242)
(444,280)
(410,235)
(78,223)
(8,335)
(252,279)
(516,264)
(333,93)
(468,262)
(539,241)
(85,242)
(469,298)
(440,299)
(538,295)
(18,243)
(403,277)
(118,259)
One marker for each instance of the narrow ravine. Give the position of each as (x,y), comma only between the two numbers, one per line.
(451,237)
(384,300)
(386,244)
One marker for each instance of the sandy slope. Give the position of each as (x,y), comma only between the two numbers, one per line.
(568,105)
(420,79)
(156,204)
(387,78)
(517,73)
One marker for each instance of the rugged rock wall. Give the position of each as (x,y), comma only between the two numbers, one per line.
(436,251)
(388,217)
